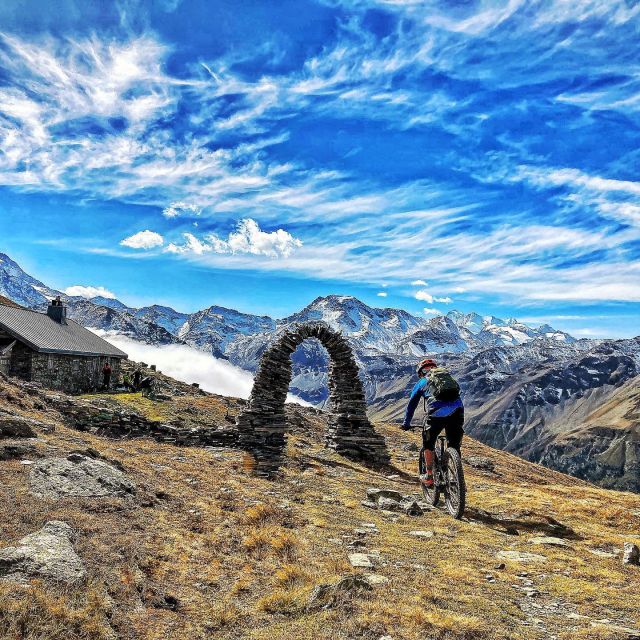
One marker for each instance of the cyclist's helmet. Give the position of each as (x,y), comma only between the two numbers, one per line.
(425,364)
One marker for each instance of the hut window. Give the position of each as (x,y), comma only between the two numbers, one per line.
(50,362)
(76,364)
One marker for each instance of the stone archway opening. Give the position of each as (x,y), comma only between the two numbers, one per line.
(262,424)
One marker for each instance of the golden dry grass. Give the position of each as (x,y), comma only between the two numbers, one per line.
(221,554)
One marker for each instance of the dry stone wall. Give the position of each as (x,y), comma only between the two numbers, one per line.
(261,426)
(104,420)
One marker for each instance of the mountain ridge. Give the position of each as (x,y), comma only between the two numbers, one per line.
(523,387)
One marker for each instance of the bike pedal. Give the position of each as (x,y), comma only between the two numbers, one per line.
(426,481)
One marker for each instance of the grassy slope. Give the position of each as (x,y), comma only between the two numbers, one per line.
(241,555)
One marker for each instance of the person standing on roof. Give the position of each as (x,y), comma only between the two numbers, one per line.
(444,411)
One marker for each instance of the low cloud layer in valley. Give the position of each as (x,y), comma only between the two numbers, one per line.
(190,365)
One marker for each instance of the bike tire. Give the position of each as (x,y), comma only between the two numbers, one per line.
(431,494)
(455,487)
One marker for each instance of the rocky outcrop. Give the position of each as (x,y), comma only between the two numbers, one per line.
(261,426)
(16,427)
(78,476)
(47,554)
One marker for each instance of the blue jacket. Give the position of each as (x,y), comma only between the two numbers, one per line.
(436,408)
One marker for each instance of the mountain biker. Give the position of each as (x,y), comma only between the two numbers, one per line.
(441,414)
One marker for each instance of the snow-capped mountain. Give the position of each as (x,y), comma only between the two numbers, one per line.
(213,329)
(379,330)
(20,287)
(166,317)
(94,316)
(489,330)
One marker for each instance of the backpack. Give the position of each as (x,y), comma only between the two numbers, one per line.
(442,385)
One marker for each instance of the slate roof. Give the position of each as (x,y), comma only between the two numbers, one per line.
(42,334)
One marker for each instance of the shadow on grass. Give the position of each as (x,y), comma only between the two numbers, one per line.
(513,524)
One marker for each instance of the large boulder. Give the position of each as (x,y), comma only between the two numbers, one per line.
(16,427)
(47,554)
(79,476)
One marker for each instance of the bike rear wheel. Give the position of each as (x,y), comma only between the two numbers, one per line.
(455,487)
(431,494)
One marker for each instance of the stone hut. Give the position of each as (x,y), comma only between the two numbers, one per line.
(52,350)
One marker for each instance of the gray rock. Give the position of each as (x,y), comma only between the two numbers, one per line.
(411,508)
(369,504)
(374,494)
(47,554)
(78,476)
(389,504)
(411,446)
(549,540)
(517,556)
(16,427)
(631,554)
(421,534)
(360,560)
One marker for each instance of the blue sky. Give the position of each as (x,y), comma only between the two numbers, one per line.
(259,154)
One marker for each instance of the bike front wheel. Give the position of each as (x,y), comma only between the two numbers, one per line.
(455,487)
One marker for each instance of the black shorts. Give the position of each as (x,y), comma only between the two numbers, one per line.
(451,424)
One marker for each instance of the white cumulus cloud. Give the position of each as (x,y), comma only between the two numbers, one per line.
(143,240)
(248,238)
(419,283)
(89,291)
(425,296)
(382,294)
(430,311)
(190,365)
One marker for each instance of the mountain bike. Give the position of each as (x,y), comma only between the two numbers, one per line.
(448,476)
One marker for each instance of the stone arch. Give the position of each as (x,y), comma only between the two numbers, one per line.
(261,425)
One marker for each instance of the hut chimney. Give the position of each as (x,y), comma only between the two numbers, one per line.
(57,311)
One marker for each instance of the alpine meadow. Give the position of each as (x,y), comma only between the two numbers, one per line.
(319,320)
